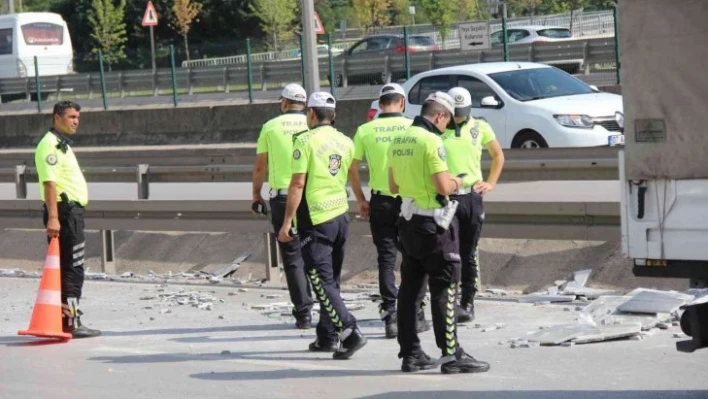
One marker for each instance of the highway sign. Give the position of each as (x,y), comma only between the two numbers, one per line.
(474,36)
(150,16)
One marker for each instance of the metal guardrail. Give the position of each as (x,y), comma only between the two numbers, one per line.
(234,163)
(579,57)
(583,220)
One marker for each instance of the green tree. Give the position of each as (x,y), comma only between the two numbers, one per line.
(108,30)
(371,13)
(185,13)
(332,12)
(468,11)
(400,14)
(278,19)
(440,14)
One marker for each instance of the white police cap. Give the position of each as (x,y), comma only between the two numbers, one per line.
(463,100)
(294,92)
(321,99)
(443,99)
(392,88)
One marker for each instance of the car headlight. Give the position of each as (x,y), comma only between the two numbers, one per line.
(619,117)
(580,121)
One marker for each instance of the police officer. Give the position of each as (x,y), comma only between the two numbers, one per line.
(428,231)
(318,194)
(463,147)
(372,140)
(64,192)
(274,152)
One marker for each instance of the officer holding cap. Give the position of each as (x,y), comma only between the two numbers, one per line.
(64,192)
(274,152)
(372,141)
(418,172)
(464,157)
(318,195)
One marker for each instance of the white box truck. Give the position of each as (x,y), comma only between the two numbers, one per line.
(664,164)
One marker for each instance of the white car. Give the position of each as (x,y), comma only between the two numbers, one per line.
(531,34)
(528,105)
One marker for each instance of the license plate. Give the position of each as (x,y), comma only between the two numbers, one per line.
(617,139)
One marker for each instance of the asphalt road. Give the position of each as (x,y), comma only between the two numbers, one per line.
(148,353)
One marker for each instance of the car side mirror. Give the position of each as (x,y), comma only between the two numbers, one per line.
(490,102)
(594,88)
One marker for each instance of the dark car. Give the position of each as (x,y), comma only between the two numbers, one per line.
(379,46)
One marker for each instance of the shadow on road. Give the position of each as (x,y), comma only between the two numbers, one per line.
(542,395)
(284,374)
(170,331)
(188,357)
(24,341)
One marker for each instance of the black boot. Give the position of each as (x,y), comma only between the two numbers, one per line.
(464,363)
(302,321)
(317,346)
(352,342)
(73,323)
(422,361)
(421,324)
(391,323)
(464,312)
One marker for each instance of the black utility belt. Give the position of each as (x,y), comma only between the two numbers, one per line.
(69,204)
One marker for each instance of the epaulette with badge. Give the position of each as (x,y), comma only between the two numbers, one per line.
(298,134)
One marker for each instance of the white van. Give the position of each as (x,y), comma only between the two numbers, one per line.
(26,35)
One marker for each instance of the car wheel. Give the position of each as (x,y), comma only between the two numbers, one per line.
(529,139)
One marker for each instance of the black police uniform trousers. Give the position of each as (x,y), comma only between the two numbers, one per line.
(384,211)
(428,251)
(383,220)
(72,243)
(470,216)
(323,251)
(293,265)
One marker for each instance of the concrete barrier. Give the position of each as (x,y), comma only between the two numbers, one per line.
(161,126)
(182,125)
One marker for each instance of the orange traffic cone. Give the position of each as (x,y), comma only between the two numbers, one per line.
(47,313)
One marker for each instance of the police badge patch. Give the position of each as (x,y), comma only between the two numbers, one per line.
(51,159)
(296,154)
(335,164)
(441,153)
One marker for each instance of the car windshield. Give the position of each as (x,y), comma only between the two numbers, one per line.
(539,83)
(421,41)
(559,33)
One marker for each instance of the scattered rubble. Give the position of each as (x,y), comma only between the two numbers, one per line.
(611,317)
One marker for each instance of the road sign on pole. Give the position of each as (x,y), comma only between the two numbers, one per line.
(474,36)
(150,19)
(150,16)
(319,28)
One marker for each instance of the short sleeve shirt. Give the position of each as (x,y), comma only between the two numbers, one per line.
(60,167)
(464,153)
(276,139)
(415,157)
(324,155)
(372,141)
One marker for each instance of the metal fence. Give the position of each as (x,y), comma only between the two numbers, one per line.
(592,60)
(585,25)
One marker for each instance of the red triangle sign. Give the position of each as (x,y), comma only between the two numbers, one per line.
(150,17)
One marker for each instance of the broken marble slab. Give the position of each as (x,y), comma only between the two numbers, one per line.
(556,335)
(610,332)
(654,301)
(546,298)
(603,311)
(587,292)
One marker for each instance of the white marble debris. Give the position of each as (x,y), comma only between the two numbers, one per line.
(654,301)
(541,298)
